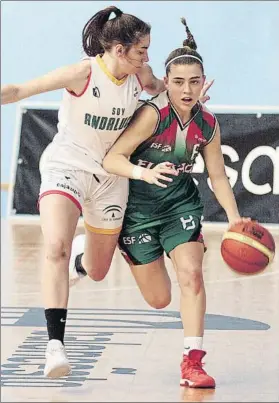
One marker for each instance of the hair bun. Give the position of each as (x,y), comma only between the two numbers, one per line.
(187,45)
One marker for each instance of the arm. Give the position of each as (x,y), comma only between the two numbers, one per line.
(214,161)
(73,77)
(151,84)
(140,129)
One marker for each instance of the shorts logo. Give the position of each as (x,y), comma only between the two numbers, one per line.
(187,223)
(112,213)
(144,238)
(67,187)
(129,240)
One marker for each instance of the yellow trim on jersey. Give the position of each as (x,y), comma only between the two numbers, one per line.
(105,231)
(103,67)
(251,242)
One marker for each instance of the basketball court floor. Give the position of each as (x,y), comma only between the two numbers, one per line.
(121,350)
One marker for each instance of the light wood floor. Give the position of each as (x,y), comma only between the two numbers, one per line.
(121,350)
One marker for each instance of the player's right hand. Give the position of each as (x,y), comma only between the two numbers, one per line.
(157,174)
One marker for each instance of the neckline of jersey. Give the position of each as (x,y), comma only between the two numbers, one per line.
(178,118)
(104,68)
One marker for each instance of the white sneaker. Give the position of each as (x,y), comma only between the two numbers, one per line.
(57,364)
(77,249)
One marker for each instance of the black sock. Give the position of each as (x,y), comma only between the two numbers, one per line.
(56,321)
(79,267)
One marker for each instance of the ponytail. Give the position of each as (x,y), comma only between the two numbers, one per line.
(92,30)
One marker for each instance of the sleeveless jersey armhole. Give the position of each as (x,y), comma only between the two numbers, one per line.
(140,83)
(86,84)
(158,115)
(213,132)
(84,89)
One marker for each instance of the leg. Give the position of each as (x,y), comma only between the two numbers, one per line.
(98,253)
(143,252)
(103,215)
(154,283)
(92,254)
(187,260)
(59,217)
(184,244)
(60,207)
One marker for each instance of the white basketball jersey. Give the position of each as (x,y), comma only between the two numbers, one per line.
(89,123)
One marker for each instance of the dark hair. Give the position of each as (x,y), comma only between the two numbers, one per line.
(189,48)
(100,33)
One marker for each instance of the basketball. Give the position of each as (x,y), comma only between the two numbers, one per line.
(248,248)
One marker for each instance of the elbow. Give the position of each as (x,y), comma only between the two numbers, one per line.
(152,89)
(156,88)
(218,179)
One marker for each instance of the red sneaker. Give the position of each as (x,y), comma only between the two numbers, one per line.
(192,373)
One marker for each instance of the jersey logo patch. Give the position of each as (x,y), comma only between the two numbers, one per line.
(166,149)
(96,92)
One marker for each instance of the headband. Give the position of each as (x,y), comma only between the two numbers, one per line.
(179,57)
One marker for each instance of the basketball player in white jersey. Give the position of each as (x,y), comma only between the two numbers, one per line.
(100,96)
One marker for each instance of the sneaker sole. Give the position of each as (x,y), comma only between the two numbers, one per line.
(59,372)
(190,384)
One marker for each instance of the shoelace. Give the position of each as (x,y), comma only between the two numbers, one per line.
(193,366)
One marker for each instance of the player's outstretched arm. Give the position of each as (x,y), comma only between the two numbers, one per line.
(140,129)
(72,77)
(151,84)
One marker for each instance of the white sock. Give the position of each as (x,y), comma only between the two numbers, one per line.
(192,343)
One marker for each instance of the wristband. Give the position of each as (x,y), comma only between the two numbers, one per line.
(137,172)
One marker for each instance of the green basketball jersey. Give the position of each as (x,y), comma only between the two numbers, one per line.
(179,144)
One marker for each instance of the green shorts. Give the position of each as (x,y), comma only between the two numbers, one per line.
(142,246)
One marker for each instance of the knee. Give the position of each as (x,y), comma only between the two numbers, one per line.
(97,273)
(57,250)
(159,301)
(190,278)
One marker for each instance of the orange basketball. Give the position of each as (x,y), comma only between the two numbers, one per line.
(248,247)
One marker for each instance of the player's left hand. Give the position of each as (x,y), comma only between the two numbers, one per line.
(203,96)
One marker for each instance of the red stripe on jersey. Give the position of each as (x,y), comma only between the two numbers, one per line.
(194,135)
(84,89)
(168,136)
(164,112)
(209,118)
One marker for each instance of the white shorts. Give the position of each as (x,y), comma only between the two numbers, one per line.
(101,199)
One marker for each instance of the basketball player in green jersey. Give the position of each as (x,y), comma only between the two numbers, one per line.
(164,211)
